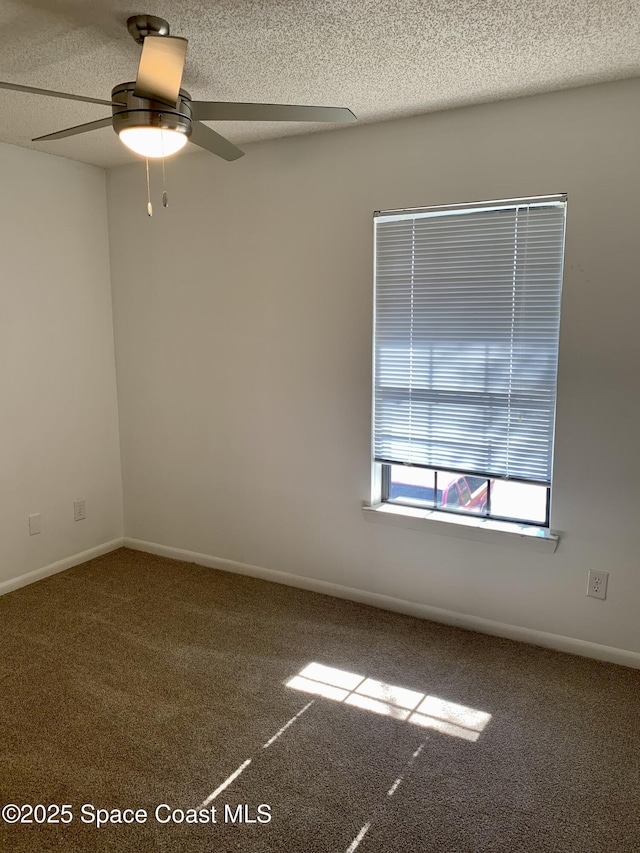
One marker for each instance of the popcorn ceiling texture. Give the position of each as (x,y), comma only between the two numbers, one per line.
(382,59)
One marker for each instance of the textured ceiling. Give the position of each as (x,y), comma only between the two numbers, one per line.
(382,58)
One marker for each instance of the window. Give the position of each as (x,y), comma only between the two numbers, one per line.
(467,316)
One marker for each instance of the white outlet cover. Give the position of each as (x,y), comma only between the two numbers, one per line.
(597,584)
(35,524)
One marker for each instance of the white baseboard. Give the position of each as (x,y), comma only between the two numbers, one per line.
(410,608)
(59,566)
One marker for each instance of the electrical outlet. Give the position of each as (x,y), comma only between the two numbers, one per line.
(79,510)
(597,584)
(34,524)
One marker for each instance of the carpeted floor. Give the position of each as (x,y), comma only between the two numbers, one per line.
(135,681)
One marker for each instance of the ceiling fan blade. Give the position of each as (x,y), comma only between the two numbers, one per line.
(210,140)
(160,70)
(72,131)
(223,111)
(16,88)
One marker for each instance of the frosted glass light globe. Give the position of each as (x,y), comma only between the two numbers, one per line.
(153,141)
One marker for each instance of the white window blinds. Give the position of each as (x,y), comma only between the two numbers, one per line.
(467,314)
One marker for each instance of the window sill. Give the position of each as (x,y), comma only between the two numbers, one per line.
(478,529)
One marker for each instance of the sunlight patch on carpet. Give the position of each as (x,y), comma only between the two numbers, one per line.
(356,841)
(225,784)
(389,700)
(246,763)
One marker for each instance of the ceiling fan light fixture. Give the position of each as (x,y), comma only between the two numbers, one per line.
(150,128)
(153,142)
(154,117)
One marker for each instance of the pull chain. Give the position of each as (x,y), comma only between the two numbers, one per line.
(149,206)
(165,199)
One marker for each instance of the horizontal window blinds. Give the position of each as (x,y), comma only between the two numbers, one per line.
(467,313)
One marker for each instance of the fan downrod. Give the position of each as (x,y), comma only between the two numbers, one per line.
(141,26)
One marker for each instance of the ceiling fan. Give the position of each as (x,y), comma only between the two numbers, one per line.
(155,117)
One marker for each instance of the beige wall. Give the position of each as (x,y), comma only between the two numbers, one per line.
(58,414)
(243,336)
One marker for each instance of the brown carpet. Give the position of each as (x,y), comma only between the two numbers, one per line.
(134,681)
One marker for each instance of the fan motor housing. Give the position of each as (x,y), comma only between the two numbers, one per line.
(128,110)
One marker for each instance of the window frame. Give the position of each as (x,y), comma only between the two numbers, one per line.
(381,470)
(385,491)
